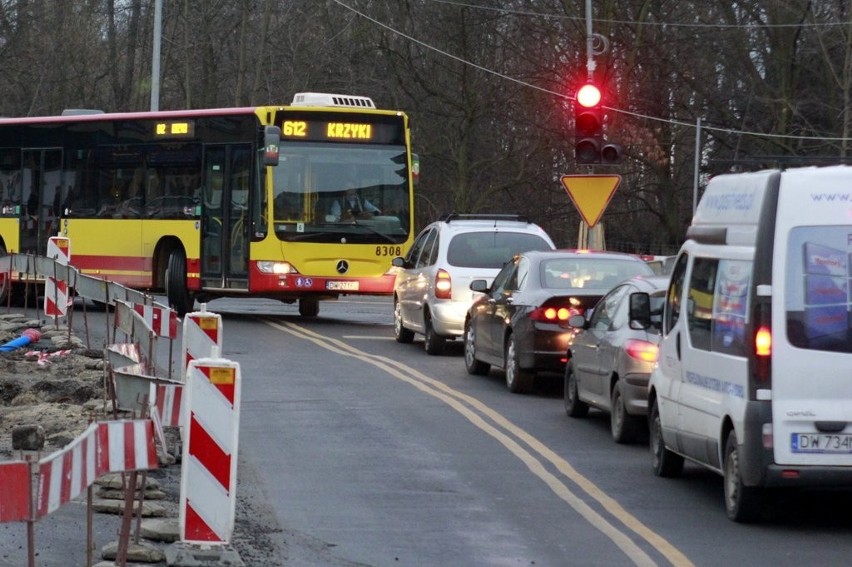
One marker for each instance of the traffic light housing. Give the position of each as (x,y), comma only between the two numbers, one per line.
(588,125)
(590,148)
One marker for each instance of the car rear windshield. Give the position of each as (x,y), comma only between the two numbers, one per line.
(589,273)
(491,249)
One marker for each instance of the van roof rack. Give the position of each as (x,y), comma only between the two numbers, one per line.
(449,217)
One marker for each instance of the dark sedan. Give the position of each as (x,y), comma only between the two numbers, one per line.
(520,322)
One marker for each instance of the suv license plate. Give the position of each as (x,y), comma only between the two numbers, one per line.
(342,286)
(821,442)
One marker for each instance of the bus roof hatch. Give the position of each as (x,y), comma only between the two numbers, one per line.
(325,99)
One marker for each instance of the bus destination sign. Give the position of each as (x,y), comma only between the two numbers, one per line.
(327,130)
(175,129)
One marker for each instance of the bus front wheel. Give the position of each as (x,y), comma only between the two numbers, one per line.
(178,295)
(308,307)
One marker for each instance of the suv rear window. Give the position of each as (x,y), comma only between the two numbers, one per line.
(491,249)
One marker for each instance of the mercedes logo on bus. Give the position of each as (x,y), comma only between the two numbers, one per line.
(342,267)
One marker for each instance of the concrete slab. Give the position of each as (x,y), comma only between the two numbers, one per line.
(182,554)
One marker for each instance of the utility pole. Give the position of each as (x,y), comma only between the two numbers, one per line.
(155,58)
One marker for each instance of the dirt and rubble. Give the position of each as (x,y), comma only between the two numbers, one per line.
(58,384)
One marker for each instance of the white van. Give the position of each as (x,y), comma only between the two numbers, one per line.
(754,377)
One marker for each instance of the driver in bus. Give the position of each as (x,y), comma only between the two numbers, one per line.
(352,206)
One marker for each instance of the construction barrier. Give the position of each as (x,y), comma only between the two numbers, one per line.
(168,400)
(15,499)
(162,320)
(202,337)
(56,297)
(107,446)
(209,473)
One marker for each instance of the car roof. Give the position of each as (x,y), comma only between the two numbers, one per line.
(649,283)
(581,253)
(460,222)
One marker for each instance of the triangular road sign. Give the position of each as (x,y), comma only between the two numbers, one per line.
(591,194)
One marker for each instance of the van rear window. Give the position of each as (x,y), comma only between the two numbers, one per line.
(818,288)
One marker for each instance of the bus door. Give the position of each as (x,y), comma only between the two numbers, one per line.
(225,216)
(40,193)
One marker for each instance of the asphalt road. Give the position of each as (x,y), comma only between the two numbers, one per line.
(374,453)
(356,450)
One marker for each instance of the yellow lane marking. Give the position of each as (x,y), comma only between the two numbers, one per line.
(457,401)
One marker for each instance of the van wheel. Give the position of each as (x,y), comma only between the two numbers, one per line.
(432,342)
(309,307)
(518,380)
(742,503)
(471,363)
(624,427)
(400,333)
(666,463)
(179,297)
(573,406)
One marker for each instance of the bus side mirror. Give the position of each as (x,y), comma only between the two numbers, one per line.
(271,141)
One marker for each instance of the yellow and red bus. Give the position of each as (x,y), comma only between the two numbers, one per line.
(201,204)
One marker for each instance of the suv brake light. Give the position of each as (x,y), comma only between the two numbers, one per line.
(443,285)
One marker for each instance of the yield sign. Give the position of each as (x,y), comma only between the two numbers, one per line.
(591,194)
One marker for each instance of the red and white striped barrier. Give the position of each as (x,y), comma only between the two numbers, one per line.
(209,473)
(162,320)
(15,505)
(56,299)
(169,401)
(202,337)
(107,446)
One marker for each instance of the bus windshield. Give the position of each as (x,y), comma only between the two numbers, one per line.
(324,193)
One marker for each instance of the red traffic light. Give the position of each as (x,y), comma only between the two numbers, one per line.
(588,96)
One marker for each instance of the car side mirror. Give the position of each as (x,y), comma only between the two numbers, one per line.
(577,321)
(479,285)
(398,262)
(640,310)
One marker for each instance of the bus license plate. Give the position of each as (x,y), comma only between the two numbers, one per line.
(341,286)
(821,442)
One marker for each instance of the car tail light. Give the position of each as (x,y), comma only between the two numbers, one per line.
(642,350)
(554,313)
(443,285)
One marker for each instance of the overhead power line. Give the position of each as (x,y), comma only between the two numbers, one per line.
(671,121)
(639,23)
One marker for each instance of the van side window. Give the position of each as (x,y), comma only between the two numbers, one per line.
(699,308)
(730,307)
(674,293)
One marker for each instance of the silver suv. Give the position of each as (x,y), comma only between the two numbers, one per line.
(431,294)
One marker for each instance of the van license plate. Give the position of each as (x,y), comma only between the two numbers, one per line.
(342,286)
(821,442)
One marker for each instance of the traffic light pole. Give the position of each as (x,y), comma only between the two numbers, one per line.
(590,42)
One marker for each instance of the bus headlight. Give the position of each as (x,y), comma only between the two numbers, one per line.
(276,267)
